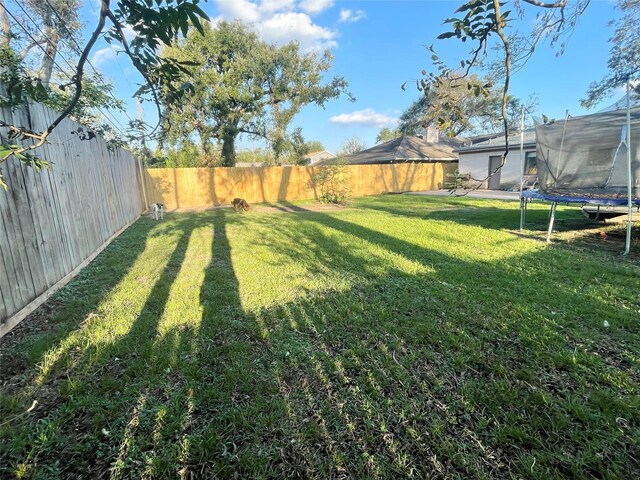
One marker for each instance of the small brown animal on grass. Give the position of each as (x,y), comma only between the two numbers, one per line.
(240,203)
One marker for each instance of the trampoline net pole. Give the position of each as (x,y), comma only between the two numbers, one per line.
(627,247)
(522,157)
(552,218)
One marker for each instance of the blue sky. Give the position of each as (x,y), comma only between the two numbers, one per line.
(377,46)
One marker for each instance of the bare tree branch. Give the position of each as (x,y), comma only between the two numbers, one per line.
(27,49)
(499,24)
(505,90)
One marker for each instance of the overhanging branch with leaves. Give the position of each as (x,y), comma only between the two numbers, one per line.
(155,24)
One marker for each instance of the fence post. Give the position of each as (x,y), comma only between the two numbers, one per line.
(144,187)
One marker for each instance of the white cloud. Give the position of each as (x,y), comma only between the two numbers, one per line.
(351,16)
(313,7)
(104,55)
(367,117)
(284,27)
(278,21)
(242,10)
(268,6)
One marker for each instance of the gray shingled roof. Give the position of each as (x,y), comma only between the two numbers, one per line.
(403,149)
(497,142)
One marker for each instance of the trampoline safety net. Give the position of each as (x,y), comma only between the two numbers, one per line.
(588,155)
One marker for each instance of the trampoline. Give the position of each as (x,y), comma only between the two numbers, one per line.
(589,160)
(556,198)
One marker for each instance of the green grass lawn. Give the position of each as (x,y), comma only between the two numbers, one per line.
(405,336)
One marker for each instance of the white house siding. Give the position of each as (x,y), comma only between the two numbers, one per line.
(318,157)
(477,164)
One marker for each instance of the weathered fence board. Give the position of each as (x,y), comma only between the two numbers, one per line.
(52,221)
(204,187)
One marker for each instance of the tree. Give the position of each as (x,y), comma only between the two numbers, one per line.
(59,22)
(480,21)
(450,102)
(313,146)
(387,134)
(5,26)
(96,95)
(352,145)
(242,85)
(154,24)
(460,106)
(297,147)
(624,56)
(300,148)
(45,24)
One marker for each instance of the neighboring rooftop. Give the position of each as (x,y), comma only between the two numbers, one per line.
(319,153)
(496,142)
(404,149)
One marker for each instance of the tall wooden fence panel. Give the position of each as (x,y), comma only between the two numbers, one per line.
(186,188)
(53,220)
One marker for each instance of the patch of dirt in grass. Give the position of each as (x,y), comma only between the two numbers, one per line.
(274,208)
(616,356)
(610,237)
(290,208)
(14,363)
(36,322)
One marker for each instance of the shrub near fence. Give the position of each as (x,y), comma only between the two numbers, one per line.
(186,188)
(54,221)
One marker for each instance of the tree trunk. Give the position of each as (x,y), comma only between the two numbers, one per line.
(48,59)
(5,35)
(206,146)
(207,159)
(228,147)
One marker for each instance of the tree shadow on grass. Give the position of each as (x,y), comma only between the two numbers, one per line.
(422,364)
(570,225)
(84,387)
(285,207)
(369,382)
(507,217)
(507,376)
(68,308)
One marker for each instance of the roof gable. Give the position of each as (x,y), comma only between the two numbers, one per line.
(407,148)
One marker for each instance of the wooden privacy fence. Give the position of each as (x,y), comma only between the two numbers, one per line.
(188,188)
(54,221)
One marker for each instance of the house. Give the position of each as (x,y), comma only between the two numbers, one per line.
(485,155)
(407,148)
(249,164)
(313,158)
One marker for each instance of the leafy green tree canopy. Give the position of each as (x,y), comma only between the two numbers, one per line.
(624,56)
(155,23)
(242,85)
(300,148)
(459,105)
(387,134)
(352,145)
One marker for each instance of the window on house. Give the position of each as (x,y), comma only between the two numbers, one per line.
(530,165)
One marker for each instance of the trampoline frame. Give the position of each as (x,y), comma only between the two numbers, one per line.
(555,198)
(575,197)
